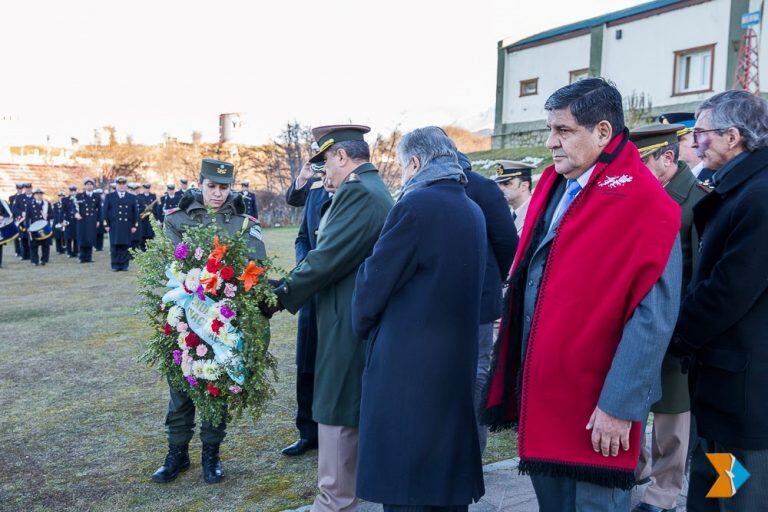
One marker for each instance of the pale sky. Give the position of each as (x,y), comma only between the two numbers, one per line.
(154,66)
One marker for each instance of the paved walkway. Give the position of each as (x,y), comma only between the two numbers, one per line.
(505,491)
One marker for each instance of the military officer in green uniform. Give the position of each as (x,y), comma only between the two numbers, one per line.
(347,233)
(659,149)
(228,212)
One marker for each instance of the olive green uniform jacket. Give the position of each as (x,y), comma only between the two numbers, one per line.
(230,219)
(348,231)
(685,189)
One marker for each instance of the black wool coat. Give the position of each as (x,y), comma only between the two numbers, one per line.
(724,318)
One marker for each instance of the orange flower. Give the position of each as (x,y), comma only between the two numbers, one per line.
(218,250)
(251,275)
(210,284)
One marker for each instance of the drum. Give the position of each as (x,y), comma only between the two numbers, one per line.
(9,231)
(40,230)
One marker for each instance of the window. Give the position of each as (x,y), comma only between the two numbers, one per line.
(578,74)
(693,70)
(529,87)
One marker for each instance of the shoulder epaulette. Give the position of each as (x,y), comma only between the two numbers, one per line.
(172,210)
(353,178)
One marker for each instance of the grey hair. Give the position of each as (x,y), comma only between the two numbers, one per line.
(355,149)
(426,144)
(741,110)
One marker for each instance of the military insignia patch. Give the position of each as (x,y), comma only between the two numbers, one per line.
(221,170)
(255,232)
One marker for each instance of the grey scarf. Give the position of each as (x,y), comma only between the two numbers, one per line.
(440,168)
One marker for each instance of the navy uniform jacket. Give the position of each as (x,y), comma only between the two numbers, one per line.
(146,225)
(38,211)
(57,214)
(724,317)
(136,237)
(313,197)
(20,204)
(502,240)
(89,208)
(251,206)
(120,215)
(68,215)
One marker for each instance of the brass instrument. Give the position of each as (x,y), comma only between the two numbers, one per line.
(148,210)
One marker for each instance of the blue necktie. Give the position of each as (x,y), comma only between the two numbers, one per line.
(571,191)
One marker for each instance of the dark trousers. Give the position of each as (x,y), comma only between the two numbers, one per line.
(119,256)
(180,422)
(17,245)
(418,508)
(1,255)
(72,247)
(86,253)
(99,242)
(59,239)
(751,497)
(305,386)
(44,245)
(24,246)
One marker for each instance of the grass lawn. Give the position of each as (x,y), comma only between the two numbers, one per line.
(81,420)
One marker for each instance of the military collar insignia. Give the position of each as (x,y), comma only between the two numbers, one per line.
(615,181)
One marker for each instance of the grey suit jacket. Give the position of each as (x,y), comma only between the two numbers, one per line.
(633,383)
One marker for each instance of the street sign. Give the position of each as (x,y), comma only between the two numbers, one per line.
(750,19)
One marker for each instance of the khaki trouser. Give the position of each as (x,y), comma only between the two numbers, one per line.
(336,469)
(665,464)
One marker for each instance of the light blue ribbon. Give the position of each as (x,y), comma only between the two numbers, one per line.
(223,354)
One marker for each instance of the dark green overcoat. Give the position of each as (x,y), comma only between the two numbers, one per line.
(348,231)
(686,191)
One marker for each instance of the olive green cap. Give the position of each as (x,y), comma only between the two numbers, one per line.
(218,171)
(327,136)
(652,137)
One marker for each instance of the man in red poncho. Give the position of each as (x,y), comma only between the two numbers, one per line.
(593,299)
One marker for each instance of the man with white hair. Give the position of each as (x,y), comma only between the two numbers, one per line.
(723,324)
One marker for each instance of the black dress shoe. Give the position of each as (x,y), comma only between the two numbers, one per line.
(300,447)
(645,507)
(213,473)
(176,461)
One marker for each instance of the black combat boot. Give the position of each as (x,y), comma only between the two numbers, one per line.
(212,470)
(176,461)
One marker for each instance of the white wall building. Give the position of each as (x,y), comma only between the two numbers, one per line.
(674,52)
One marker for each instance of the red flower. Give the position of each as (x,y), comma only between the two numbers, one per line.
(213,390)
(167,329)
(216,325)
(212,265)
(192,340)
(227,273)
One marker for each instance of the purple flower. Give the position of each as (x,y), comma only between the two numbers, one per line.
(200,294)
(177,356)
(192,380)
(198,253)
(226,312)
(181,251)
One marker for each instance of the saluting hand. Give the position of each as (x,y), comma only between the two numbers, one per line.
(304,175)
(608,432)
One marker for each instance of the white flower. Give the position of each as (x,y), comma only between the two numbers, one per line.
(186,366)
(197,369)
(176,272)
(211,370)
(226,337)
(192,280)
(175,314)
(182,343)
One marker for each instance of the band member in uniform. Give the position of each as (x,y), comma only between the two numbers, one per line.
(214,204)
(169,201)
(99,245)
(514,180)
(251,206)
(121,221)
(147,201)
(58,229)
(11,201)
(133,191)
(19,209)
(38,209)
(69,205)
(88,217)
(6,217)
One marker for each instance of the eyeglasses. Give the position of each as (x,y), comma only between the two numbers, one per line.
(696,132)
